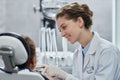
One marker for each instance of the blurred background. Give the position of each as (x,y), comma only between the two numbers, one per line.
(27,17)
(35,18)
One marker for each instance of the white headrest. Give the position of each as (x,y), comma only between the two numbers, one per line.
(20,53)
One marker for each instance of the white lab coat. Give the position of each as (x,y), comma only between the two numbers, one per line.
(102,62)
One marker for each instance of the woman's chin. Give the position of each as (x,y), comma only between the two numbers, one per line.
(72,42)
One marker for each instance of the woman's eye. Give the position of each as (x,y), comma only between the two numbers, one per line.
(64,27)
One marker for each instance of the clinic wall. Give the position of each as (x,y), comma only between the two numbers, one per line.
(117,27)
(18,16)
(2,15)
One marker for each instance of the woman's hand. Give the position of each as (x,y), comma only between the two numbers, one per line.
(54,78)
(53,72)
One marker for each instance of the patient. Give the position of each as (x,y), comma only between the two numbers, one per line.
(31,62)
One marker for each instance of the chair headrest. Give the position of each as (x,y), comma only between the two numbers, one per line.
(20,49)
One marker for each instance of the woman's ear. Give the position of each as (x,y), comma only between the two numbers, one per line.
(80,21)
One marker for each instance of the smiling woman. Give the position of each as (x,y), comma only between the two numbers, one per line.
(67,30)
(94,56)
(78,19)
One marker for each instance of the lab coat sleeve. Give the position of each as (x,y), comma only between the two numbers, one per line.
(107,65)
(71,77)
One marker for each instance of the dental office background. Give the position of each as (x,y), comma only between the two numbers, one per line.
(25,17)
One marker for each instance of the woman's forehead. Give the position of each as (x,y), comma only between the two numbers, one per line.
(62,21)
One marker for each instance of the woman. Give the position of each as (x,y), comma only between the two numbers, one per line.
(95,58)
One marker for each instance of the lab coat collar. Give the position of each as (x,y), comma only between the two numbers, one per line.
(92,49)
(94,44)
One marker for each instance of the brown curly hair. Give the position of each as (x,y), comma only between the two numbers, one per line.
(75,10)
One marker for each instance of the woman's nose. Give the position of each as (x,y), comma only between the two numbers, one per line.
(63,33)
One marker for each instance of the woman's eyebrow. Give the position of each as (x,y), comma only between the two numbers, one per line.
(61,24)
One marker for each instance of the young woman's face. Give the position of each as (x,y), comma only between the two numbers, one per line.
(69,29)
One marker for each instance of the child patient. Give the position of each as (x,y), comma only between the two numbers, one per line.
(30,64)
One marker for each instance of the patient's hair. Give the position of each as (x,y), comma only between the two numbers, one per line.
(32,51)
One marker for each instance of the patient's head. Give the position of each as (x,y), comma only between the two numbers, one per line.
(31,61)
(21,49)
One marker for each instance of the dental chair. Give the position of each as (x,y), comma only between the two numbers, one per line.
(14,51)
